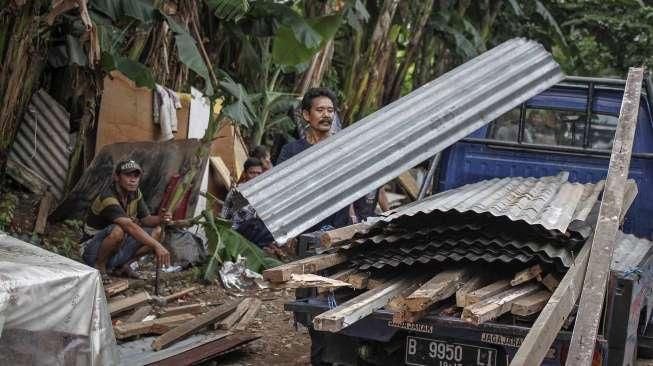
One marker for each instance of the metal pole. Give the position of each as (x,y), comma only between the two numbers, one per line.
(429,176)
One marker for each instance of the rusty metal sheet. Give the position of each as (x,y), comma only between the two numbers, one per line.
(43,141)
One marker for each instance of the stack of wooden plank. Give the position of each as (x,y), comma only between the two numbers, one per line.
(474,293)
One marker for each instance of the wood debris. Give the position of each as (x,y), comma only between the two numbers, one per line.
(526,275)
(531,304)
(311,280)
(499,304)
(333,237)
(128,303)
(247,318)
(231,320)
(140,314)
(307,265)
(157,326)
(116,287)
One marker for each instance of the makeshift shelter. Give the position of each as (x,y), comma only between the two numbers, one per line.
(53,310)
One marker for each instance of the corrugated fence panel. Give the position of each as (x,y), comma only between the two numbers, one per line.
(43,143)
(302,191)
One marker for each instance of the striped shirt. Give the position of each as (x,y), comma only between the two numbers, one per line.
(107,207)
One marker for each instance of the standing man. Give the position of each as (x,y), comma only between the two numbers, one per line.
(318,110)
(119,227)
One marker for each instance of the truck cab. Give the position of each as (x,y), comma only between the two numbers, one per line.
(569,127)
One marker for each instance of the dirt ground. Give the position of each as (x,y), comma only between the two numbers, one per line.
(281,343)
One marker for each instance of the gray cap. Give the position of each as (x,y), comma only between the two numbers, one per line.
(128,166)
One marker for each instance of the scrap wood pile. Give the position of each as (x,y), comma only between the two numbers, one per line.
(478,252)
(143,314)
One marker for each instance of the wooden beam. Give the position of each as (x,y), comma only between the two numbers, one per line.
(339,276)
(247,318)
(229,321)
(139,314)
(359,307)
(487,291)
(307,265)
(551,282)
(44,210)
(179,294)
(472,284)
(441,286)
(128,303)
(409,185)
(336,236)
(531,304)
(583,340)
(116,287)
(309,280)
(192,326)
(126,330)
(397,304)
(499,304)
(527,275)
(545,329)
(629,197)
(197,308)
(359,280)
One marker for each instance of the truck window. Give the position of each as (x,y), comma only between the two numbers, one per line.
(602,129)
(506,127)
(554,127)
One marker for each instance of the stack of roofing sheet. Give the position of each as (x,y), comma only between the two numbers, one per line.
(527,220)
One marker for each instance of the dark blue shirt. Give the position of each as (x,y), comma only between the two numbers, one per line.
(338,219)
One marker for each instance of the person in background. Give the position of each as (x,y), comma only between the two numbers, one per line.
(365,206)
(261,152)
(252,168)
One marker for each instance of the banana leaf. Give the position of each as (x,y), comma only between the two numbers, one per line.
(226,245)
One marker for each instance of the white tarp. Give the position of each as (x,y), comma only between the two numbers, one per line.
(53,310)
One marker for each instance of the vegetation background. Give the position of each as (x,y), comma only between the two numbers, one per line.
(262,55)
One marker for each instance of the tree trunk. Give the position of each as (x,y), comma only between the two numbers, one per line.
(423,16)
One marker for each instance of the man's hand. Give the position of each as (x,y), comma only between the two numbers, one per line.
(162,255)
(166,217)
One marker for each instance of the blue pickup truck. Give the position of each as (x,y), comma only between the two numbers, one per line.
(569,127)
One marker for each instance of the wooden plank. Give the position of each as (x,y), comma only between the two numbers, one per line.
(220,172)
(583,340)
(179,294)
(307,265)
(247,318)
(229,321)
(116,287)
(629,197)
(527,275)
(440,287)
(472,284)
(310,280)
(551,282)
(409,185)
(397,304)
(192,326)
(545,329)
(128,303)
(530,304)
(126,330)
(139,314)
(499,304)
(333,237)
(197,308)
(44,210)
(338,276)
(359,307)
(487,291)
(359,280)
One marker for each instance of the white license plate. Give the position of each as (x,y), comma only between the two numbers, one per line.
(434,352)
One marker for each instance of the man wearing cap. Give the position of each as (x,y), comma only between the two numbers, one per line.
(119,227)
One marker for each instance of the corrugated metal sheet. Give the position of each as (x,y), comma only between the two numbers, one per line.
(43,143)
(302,191)
(551,202)
(630,252)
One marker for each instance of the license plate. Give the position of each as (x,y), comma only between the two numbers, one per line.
(434,352)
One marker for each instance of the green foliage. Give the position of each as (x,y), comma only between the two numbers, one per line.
(136,71)
(232,10)
(290,49)
(226,245)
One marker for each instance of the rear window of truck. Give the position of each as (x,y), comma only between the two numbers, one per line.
(554,127)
